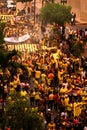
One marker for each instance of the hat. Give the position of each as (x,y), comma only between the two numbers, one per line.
(48,109)
(66,95)
(62,114)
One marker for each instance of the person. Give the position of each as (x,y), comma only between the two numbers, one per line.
(73,18)
(51,125)
(7,128)
(57,121)
(85,127)
(56,100)
(51,100)
(37,97)
(32,97)
(85,32)
(76,123)
(43,29)
(48,116)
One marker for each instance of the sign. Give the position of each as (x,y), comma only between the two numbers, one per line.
(5,17)
(77,109)
(17,39)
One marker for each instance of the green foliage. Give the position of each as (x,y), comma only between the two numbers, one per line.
(8,61)
(32,121)
(6,58)
(77,47)
(15,110)
(56,13)
(2,119)
(2,26)
(20,116)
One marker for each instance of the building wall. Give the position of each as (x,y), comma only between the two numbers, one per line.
(76,8)
(80,8)
(20,6)
(83,16)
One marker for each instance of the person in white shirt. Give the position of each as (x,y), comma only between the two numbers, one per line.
(85,127)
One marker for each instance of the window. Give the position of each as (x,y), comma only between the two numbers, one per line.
(63,1)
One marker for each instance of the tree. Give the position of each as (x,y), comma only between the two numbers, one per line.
(19,115)
(5,62)
(8,68)
(56,13)
(8,59)
(8,65)
(76,47)
(2,26)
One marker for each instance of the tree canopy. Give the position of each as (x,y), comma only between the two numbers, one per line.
(18,115)
(55,12)
(2,26)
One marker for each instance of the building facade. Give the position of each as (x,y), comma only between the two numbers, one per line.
(80,8)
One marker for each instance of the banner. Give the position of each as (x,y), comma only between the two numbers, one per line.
(5,17)
(17,39)
(77,109)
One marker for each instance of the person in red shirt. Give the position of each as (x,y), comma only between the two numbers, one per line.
(7,128)
(51,100)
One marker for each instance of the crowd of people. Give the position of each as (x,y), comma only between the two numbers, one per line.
(5,10)
(55,83)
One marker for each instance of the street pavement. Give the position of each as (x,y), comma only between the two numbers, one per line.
(80,25)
